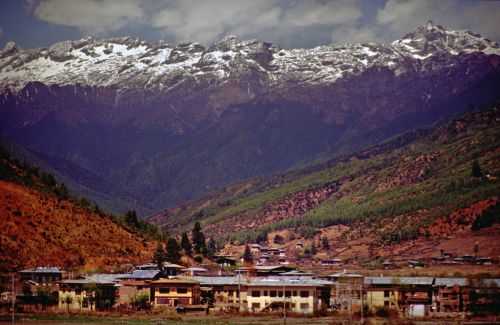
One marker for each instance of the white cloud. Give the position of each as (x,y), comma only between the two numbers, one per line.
(94,16)
(402,16)
(206,21)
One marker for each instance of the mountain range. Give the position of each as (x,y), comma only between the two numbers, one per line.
(142,125)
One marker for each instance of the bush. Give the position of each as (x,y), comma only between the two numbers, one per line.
(489,217)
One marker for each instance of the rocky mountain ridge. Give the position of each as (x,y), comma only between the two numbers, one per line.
(168,123)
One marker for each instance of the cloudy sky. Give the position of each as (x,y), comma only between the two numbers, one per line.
(288,23)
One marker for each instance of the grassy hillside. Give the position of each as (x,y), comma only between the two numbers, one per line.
(422,173)
(43,225)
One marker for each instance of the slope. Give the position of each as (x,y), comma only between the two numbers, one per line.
(398,191)
(42,225)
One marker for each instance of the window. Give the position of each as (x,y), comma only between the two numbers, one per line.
(386,293)
(182,290)
(255,305)
(256,293)
(304,294)
(164,290)
(265,293)
(230,293)
(280,293)
(304,306)
(295,293)
(272,293)
(288,293)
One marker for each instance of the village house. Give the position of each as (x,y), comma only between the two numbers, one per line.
(450,297)
(225,260)
(305,296)
(331,262)
(411,296)
(175,292)
(346,291)
(94,292)
(264,270)
(42,275)
(224,293)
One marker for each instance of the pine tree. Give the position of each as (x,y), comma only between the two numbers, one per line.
(198,238)
(186,244)
(476,169)
(324,243)
(159,256)
(211,247)
(131,219)
(247,255)
(173,251)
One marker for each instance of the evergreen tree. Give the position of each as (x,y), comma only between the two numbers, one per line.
(211,247)
(324,243)
(247,255)
(159,256)
(476,169)
(198,238)
(173,251)
(131,219)
(186,244)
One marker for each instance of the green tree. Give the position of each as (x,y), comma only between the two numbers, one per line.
(159,256)
(476,169)
(198,238)
(324,243)
(247,255)
(131,219)
(186,244)
(211,247)
(173,251)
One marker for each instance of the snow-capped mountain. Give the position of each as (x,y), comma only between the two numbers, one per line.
(166,123)
(130,63)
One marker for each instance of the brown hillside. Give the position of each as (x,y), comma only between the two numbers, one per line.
(40,229)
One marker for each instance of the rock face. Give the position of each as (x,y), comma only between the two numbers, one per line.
(167,123)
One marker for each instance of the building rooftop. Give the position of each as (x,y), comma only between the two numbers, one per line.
(43,269)
(98,278)
(177,280)
(141,274)
(268,281)
(389,280)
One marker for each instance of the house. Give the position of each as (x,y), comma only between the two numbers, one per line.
(255,248)
(224,293)
(42,275)
(225,260)
(346,291)
(141,275)
(169,269)
(303,295)
(411,296)
(93,292)
(134,292)
(175,292)
(264,270)
(331,262)
(415,264)
(450,296)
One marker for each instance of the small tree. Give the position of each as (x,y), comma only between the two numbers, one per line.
(186,244)
(247,255)
(173,250)
(159,256)
(476,169)
(131,219)
(68,300)
(278,239)
(324,243)
(198,238)
(211,247)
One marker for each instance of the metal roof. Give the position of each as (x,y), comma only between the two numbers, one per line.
(389,280)
(267,281)
(450,282)
(99,278)
(43,269)
(141,274)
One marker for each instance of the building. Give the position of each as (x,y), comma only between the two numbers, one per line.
(224,292)
(331,262)
(450,296)
(411,296)
(94,292)
(264,270)
(305,296)
(42,275)
(346,291)
(192,271)
(175,292)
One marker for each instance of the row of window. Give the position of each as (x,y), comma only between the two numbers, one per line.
(303,306)
(178,290)
(279,293)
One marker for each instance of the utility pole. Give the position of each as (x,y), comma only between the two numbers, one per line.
(362,304)
(239,292)
(284,305)
(13,298)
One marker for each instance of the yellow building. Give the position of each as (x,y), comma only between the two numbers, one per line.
(175,291)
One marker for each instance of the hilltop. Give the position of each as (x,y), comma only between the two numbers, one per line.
(43,225)
(408,197)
